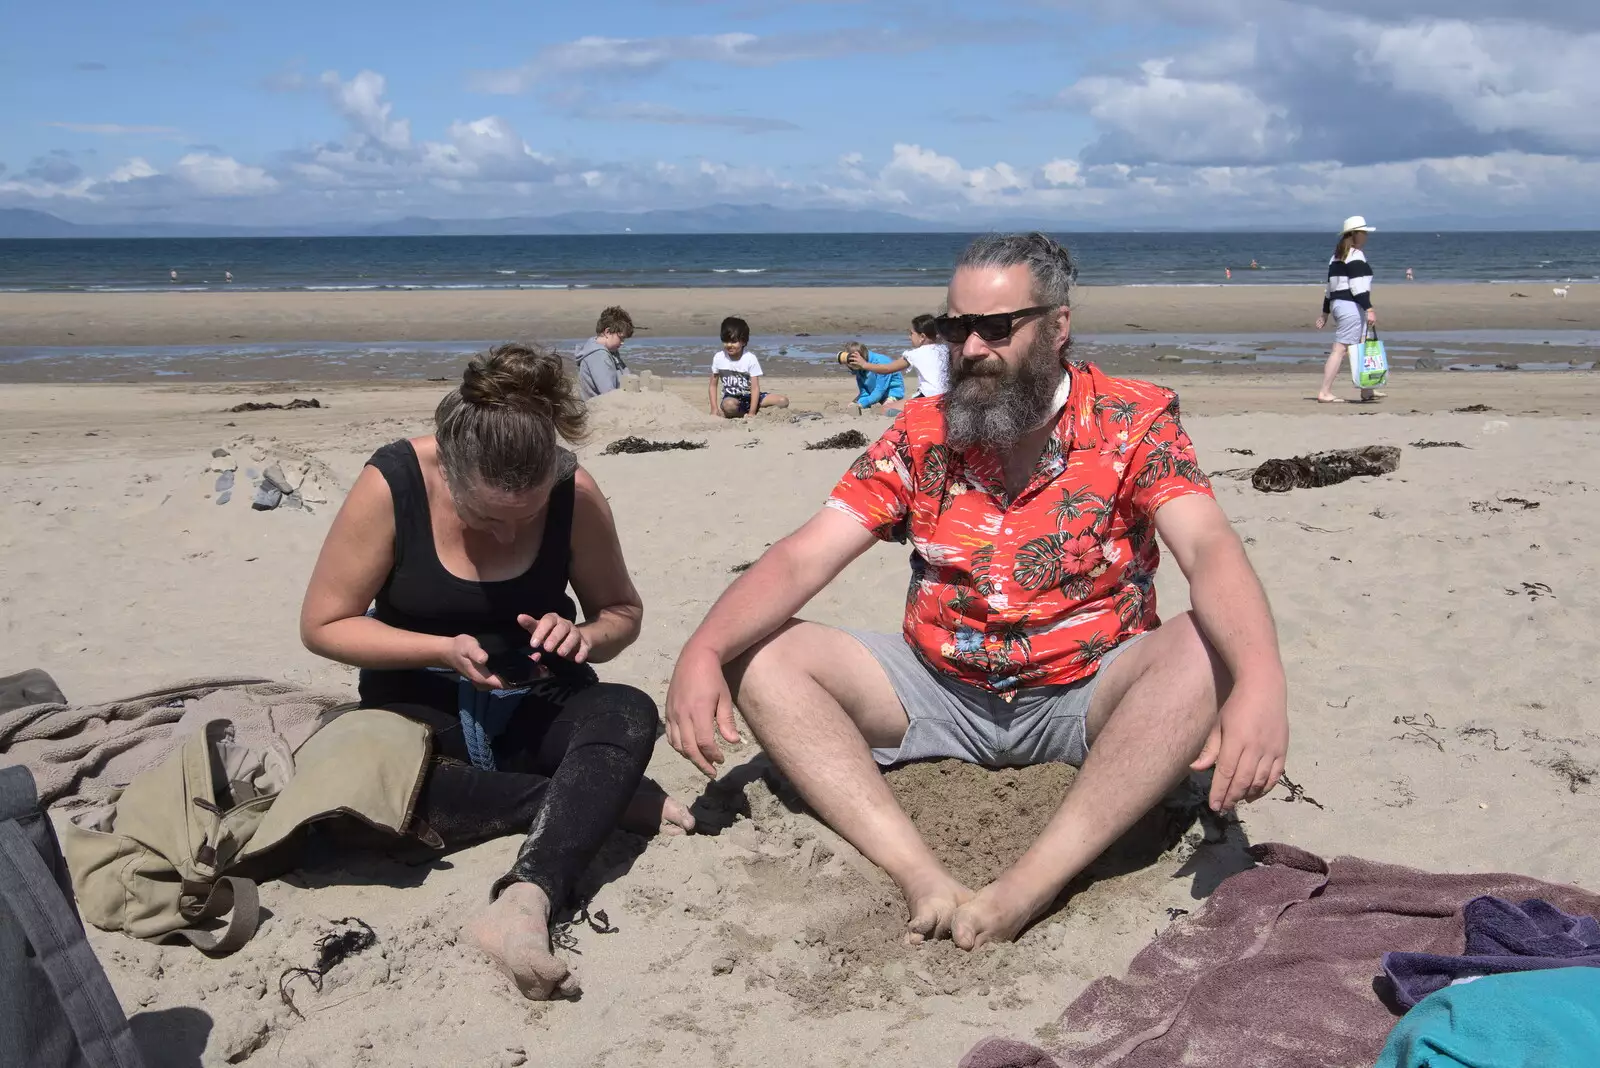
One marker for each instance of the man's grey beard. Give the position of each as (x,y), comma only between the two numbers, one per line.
(995,411)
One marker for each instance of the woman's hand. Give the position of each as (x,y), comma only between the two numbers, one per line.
(555,635)
(466,658)
(1322,321)
(856,363)
(1372,316)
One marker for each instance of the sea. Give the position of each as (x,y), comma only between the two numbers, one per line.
(657,260)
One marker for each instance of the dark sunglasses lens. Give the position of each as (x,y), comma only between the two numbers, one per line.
(951,329)
(993,328)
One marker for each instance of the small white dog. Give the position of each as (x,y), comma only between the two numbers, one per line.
(1560,291)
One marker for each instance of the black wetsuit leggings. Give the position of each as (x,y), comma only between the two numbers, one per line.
(567,765)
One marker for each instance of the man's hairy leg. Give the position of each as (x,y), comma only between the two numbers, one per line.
(818,702)
(1152,712)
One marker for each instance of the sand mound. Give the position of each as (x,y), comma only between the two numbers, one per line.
(618,413)
(829,932)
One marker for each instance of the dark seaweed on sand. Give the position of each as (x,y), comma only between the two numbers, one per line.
(1325,468)
(1472,409)
(632,444)
(1437,445)
(849,439)
(332,950)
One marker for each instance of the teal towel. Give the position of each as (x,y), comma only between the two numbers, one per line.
(1543,1019)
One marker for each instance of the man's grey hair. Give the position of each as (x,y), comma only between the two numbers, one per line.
(1048,261)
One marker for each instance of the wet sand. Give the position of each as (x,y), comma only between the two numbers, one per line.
(253,317)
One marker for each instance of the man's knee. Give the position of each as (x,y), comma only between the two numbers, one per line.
(759,668)
(1195,661)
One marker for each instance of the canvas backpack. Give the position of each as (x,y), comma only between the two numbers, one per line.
(183,843)
(57,1009)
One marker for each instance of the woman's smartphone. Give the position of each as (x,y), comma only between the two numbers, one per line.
(510,662)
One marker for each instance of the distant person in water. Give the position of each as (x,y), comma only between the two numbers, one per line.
(1254,266)
(599,359)
(444,578)
(1349,299)
(1409,276)
(227,276)
(173,275)
(736,375)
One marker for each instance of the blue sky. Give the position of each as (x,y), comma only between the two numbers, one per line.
(1182,112)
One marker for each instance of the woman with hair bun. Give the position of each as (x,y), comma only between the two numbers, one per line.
(444,578)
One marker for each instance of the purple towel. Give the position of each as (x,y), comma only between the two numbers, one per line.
(1501,937)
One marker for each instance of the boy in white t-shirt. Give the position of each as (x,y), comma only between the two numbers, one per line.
(736,376)
(927,357)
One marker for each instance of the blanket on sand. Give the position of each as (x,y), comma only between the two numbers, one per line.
(80,753)
(1280,968)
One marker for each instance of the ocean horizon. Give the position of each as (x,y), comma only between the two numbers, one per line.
(604,261)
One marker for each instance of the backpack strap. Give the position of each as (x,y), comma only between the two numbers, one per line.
(56,934)
(230,893)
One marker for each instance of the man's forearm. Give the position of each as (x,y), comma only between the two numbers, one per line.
(1232,610)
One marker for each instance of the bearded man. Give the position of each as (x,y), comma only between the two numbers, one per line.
(1032,491)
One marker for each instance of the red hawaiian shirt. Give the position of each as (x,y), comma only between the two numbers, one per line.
(1032,591)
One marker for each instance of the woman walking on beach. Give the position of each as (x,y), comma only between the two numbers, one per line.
(463,544)
(1349,299)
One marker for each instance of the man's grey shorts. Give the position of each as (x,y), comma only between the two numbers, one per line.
(949,718)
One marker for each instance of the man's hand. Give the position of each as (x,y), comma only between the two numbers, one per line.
(1372,316)
(699,707)
(1248,745)
(1322,321)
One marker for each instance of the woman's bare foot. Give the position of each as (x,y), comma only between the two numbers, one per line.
(1329,398)
(515,933)
(654,811)
(997,913)
(931,904)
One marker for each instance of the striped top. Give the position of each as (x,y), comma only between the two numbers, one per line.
(1349,279)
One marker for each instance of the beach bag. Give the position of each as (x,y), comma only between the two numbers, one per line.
(57,1008)
(177,852)
(1369,363)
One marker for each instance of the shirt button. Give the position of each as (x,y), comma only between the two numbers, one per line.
(1008,530)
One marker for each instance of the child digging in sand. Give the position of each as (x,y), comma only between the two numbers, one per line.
(736,376)
(876,382)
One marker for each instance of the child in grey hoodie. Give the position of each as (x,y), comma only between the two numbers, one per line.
(599,359)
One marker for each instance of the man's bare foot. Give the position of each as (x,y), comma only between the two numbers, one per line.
(931,904)
(1329,398)
(654,811)
(515,933)
(997,913)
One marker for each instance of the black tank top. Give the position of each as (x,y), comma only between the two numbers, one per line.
(420,595)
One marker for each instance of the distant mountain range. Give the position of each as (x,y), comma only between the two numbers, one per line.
(714,219)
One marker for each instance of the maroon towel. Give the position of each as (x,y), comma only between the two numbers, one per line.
(1280,968)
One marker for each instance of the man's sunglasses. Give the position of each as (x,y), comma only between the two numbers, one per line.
(955,329)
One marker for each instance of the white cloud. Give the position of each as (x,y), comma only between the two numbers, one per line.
(360,101)
(114,129)
(131,171)
(222,176)
(617,57)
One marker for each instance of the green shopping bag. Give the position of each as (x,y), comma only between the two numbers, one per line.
(1369,363)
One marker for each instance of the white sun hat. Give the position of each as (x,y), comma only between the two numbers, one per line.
(1356,222)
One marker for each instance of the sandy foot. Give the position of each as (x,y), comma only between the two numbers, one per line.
(997,913)
(932,905)
(515,933)
(654,811)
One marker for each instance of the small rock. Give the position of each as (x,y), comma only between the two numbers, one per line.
(224,482)
(268,497)
(219,452)
(292,500)
(224,497)
(274,476)
(722,966)
(258,454)
(226,463)
(1169,357)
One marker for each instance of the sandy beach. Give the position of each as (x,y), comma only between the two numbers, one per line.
(1438,636)
(244,317)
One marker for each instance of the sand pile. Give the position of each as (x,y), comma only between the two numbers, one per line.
(618,413)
